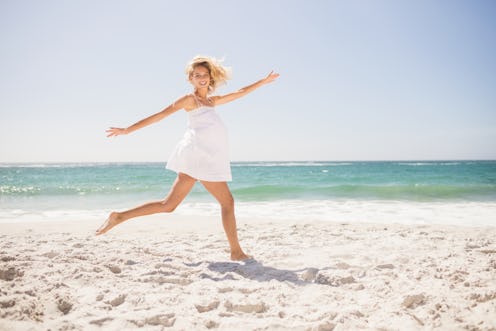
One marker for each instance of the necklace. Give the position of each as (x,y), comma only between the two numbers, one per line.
(202,100)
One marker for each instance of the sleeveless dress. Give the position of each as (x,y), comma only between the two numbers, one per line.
(203,152)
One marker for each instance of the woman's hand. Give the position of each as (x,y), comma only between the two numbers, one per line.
(222,99)
(114,132)
(270,77)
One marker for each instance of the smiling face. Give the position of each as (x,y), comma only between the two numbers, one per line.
(200,77)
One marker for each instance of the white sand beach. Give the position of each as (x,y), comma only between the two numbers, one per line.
(172,272)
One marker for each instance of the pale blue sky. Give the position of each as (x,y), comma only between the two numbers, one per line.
(360,80)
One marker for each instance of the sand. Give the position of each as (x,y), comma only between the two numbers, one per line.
(174,273)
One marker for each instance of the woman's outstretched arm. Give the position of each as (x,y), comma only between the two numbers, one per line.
(221,99)
(177,105)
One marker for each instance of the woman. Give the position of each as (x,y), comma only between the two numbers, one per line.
(202,154)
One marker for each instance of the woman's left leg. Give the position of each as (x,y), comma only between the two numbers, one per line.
(223,195)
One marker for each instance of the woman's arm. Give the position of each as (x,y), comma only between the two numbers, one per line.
(221,99)
(177,105)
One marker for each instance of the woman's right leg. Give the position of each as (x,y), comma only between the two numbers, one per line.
(180,189)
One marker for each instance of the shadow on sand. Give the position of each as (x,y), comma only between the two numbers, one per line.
(254,270)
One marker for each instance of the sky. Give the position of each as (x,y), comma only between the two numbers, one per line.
(360,80)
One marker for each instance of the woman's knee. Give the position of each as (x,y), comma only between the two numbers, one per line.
(180,189)
(228,203)
(167,206)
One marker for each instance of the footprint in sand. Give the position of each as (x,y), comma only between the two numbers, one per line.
(10,273)
(225,289)
(204,308)
(211,324)
(50,254)
(64,304)
(101,321)
(117,301)
(165,320)
(7,258)
(412,301)
(385,266)
(246,308)
(115,269)
(334,281)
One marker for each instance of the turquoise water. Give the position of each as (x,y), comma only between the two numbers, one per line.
(472,180)
(105,186)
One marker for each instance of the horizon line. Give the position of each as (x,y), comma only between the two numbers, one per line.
(250,161)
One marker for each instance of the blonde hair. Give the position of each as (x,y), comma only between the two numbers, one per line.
(219,74)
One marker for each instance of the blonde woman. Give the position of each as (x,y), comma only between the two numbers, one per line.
(202,154)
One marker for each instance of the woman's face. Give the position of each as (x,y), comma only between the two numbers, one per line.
(200,78)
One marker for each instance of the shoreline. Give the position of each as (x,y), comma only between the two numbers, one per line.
(307,275)
(458,213)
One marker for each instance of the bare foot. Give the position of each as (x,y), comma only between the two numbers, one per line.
(240,256)
(109,223)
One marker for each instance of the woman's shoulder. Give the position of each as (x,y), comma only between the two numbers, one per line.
(186,102)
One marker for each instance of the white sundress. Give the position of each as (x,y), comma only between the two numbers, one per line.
(203,152)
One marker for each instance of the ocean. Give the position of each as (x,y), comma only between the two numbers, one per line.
(405,191)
